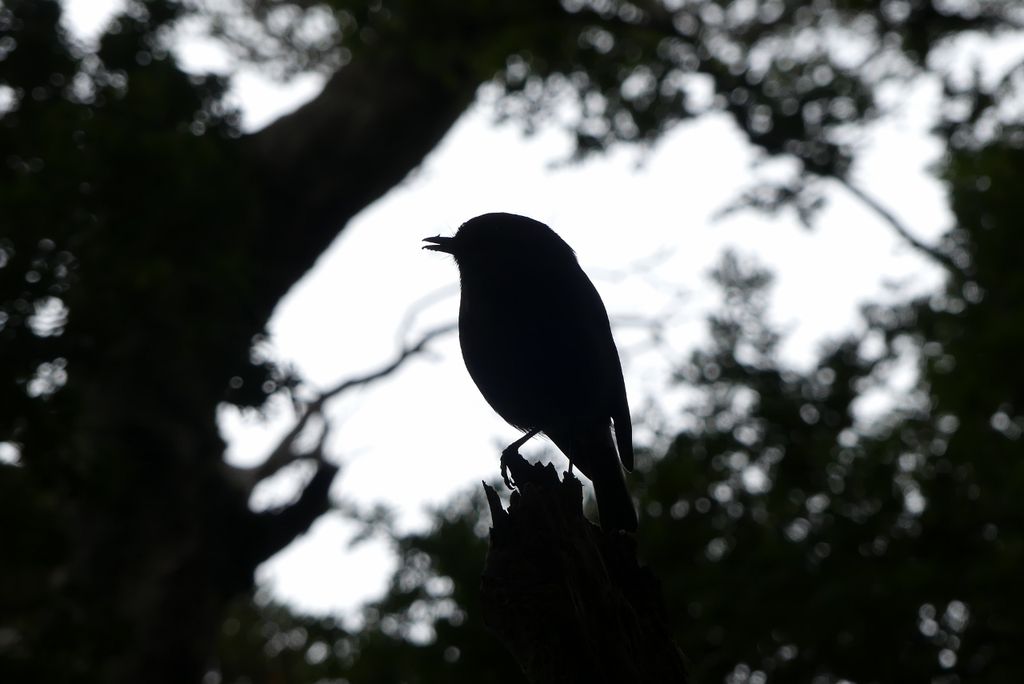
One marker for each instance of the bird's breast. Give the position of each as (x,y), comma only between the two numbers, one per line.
(527,348)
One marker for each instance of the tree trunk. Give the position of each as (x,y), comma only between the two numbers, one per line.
(163,535)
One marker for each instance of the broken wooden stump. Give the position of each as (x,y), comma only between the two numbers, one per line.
(568,600)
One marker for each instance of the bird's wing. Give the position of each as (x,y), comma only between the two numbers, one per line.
(623,428)
(607,367)
(616,389)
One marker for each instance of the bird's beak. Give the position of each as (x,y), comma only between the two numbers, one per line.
(440,244)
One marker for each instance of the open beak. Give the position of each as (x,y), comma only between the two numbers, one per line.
(440,244)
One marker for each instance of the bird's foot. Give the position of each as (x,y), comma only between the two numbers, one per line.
(512,451)
(504,467)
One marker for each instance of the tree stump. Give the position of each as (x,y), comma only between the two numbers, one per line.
(568,600)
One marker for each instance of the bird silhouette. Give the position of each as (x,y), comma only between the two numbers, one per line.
(537,342)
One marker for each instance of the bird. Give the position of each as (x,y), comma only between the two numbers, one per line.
(538,344)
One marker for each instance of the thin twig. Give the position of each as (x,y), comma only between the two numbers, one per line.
(413,350)
(285,453)
(901,229)
(421,305)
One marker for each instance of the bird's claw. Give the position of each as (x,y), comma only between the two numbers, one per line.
(512,451)
(504,468)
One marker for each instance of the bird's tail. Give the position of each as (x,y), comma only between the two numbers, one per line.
(614,504)
(594,453)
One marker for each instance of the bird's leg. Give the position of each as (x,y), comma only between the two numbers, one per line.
(511,449)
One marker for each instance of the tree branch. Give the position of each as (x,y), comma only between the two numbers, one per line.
(374,122)
(277,528)
(418,348)
(286,451)
(933,253)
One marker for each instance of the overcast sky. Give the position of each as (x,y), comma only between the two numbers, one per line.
(425,433)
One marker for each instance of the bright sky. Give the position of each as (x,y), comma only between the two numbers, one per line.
(423,434)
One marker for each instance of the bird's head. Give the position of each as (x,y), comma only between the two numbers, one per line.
(496,240)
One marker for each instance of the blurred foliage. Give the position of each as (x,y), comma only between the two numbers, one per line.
(801,80)
(124,274)
(814,525)
(794,541)
(426,629)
